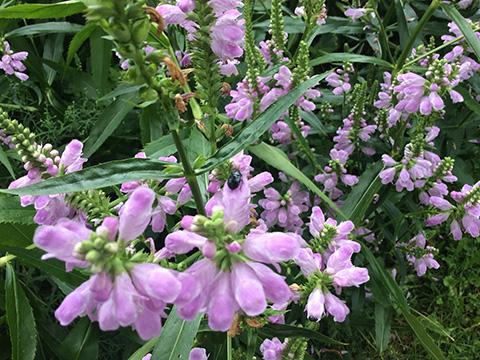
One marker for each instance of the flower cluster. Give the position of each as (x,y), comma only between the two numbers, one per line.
(420,256)
(226,33)
(232,275)
(51,208)
(124,290)
(329,266)
(11,62)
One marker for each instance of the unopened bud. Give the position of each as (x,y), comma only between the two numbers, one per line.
(218,214)
(93,256)
(111,247)
(141,28)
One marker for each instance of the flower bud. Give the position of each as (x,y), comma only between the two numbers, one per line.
(93,256)
(111,247)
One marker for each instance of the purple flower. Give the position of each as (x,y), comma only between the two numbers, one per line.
(198,354)
(272,349)
(231,276)
(355,13)
(51,208)
(284,210)
(11,62)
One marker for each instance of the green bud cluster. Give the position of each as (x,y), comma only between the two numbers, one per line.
(94,202)
(295,349)
(301,69)
(277,29)
(321,242)
(223,171)
(127,23)
(442,169)
(317,280)
(216,231)
(100,252)
(473,197)
(207,72)
(24,141)
(358,111)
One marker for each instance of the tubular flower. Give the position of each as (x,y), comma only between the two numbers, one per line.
(121,292)
(232,276)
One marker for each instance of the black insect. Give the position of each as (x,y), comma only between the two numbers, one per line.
(234,180)
(312,318)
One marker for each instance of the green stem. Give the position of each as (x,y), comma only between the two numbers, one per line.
(383,37)
(421,24)
(189,173)
(428,53)
(229,348)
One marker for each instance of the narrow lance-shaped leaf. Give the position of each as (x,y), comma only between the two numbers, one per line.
(261,124)
(33,258)
(108,121)
(23,333)
(354,58)
(98,176)
(82,341)
(176,338)
(464,27)
(42,11)
(45,28)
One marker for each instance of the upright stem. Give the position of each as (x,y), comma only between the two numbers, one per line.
(421,24)
(229,348)
(189,173)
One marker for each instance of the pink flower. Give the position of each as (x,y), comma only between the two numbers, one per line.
(355,13)
(11,62)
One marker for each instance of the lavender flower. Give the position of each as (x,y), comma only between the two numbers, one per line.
(284,210)
(231,276)
(272,349)
(420,256)
(11,62)
(121,292)
(51,208)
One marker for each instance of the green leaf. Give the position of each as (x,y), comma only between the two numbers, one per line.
(100,58)
(176,338)
(51,266)
(362,194)
(144,350)
(6,163)
(288,331)
(45,28)
(99,176)
(464,27)
(150,124)
(23,333)
(279,160)
(19,235)
(383,319)
(422,335)
(256,128)
(82,341)
(42,11)
(107,122)
(78,41)
(471,103)
(341,57)
(381,276)
(122,89)
(11,211)
(301,139)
